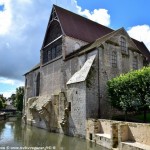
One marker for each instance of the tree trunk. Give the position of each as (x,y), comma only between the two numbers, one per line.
(125,116)
(145,115)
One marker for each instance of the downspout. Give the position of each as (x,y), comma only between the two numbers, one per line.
(99,99)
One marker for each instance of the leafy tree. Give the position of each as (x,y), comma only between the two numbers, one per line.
(13,98)
(19,98)
(2,101)
(131,91)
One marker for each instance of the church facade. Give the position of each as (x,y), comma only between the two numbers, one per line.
(78,57)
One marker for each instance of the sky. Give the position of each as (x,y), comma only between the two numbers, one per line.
(23,25)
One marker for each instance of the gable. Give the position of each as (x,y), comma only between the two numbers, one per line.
(53,29)
(53,32)
(121,33)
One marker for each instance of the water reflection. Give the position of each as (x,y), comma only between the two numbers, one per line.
(13,133)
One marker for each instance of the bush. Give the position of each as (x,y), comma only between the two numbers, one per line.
(131,91)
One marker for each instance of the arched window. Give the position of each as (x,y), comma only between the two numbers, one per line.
(123,44)
(135,63)
(38,84)
(114,59)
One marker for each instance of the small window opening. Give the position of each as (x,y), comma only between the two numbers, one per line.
(90,136)
(69,106)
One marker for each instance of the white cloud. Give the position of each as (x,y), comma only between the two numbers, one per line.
(7,81)
(9,86)
(8,93)
(5,17)
(11,82)
(98,15)
(22,28)
(141,33)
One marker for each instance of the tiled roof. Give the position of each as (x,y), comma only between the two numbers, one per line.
(80,27)
(34,68)
(84,29)
(141,46)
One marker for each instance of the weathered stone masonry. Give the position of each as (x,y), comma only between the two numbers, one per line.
(120,135)
(78,57)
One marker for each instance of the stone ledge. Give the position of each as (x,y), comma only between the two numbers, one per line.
(103,135)
(134,146)
(104,140)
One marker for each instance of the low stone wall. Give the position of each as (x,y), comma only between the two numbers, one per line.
(3,117)
(103,132)
(134,135)
(116,134)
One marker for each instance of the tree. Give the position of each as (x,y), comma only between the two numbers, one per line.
(13,98)
(131,91)
(19,98)
(2,101)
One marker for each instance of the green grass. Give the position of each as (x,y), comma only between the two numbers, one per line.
(141,117)
(133,118)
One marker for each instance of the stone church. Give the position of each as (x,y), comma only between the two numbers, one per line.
(77,58)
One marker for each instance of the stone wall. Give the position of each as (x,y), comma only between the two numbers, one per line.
(71,45)
(85,99)
(92,89)
(117,134)
(76,94)
(134,135)
(51,78)
(30,87)
(107,71)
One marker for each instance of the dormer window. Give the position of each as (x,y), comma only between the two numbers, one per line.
(123,44)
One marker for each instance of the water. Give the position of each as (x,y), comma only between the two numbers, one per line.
(14,135)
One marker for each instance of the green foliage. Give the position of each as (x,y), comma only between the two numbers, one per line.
(131,91)
(19,98)
(13,98)
(2,101)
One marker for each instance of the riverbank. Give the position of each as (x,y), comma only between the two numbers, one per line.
(6,115)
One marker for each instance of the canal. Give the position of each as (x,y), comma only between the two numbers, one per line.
(14,135)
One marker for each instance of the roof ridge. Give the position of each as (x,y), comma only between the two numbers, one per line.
(81,16)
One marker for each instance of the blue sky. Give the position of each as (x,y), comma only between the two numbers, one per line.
(23,25)
(126,13)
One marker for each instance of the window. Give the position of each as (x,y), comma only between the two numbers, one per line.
(58,50)
(123,44)
(49,55)
(38,84)
(114,59)
(45,58)
(135,63)
(52,51)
